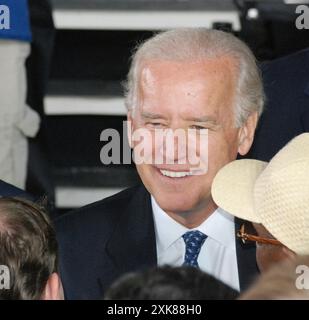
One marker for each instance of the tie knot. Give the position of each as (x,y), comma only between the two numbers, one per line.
(196,238)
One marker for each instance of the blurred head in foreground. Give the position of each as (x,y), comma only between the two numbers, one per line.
(167,283)
(28,253)
(274,196)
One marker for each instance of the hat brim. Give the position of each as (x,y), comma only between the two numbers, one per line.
(233,188)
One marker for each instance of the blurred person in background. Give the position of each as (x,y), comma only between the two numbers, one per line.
(17,120)
(39,175)
(286,114)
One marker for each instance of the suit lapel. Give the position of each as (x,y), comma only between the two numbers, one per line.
(246,259)
(132,245)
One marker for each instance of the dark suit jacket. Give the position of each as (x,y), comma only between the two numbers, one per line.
(8,190)
(102,241)
(286,83)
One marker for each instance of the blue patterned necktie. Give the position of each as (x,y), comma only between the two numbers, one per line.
(194,241)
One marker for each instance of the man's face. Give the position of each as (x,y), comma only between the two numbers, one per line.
(187,95)
(268,255)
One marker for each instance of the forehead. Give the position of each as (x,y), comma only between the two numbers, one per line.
(217,67)
(208,82)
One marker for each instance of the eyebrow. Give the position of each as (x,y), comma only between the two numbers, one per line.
(150,115)
(203,119)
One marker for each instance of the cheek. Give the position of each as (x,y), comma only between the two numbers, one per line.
(143,146)
(267,256)
(221,150)
(264,258)
(260,259)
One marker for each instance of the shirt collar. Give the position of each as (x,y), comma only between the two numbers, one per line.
(219,226)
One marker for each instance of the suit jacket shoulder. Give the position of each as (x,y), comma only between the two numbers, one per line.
(8,190)
(106,211)
(286,114)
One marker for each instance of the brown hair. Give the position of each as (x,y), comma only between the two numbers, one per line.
(28,247)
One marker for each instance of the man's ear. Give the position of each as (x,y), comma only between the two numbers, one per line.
(53,289)
(246,134)
(130,128)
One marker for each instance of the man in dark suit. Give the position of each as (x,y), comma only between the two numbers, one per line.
(286,115)
(200,83)
(102,241)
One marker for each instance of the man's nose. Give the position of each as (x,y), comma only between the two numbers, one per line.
(174,146)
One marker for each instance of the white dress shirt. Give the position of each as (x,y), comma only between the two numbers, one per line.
(218,253)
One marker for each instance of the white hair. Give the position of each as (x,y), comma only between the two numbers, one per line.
(194,44)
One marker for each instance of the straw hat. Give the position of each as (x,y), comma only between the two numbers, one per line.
(275,194)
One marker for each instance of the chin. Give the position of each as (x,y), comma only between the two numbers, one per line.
(175,203)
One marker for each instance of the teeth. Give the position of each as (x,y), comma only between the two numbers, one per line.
(173,174)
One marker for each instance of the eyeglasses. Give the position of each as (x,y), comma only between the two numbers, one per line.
(245,237)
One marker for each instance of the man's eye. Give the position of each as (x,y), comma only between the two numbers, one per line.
(156,124)
(197,127)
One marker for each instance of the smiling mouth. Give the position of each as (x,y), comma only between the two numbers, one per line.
(175,174)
